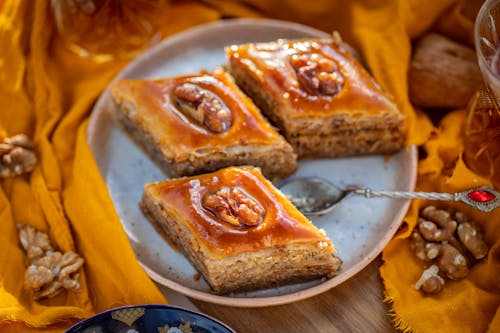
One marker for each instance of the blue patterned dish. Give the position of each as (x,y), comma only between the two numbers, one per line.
(151,318)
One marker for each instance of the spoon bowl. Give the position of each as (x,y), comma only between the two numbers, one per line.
(313,196)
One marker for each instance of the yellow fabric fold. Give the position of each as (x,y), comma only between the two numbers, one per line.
(472,304)
(468,305)
(47,92)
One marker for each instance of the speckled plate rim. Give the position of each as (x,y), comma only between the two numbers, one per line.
(306,293)
(268,300)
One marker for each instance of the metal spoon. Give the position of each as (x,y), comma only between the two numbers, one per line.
(316,196)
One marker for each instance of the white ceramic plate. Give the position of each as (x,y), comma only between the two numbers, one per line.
(359,228)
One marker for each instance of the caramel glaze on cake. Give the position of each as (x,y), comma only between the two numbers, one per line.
(319,95)
(239,231)
(199,123)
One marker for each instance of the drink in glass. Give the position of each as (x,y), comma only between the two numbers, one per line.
(482,130)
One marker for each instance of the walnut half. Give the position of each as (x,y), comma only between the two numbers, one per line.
(316,74)
(16,156)
(448,240)
(203,107)
(35,243)
(234,207)
(49,272)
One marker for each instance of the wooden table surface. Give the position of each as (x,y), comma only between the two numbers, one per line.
(354,306)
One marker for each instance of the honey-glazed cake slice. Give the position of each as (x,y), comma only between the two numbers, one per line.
(239,231)
(199,123)
(319,95)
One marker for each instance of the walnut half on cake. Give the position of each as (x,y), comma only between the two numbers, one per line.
(321,98)
(239,231)
(199,123)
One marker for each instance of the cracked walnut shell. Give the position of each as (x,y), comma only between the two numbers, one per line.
(49,272)
(16,156)
(35,243)
(450,241)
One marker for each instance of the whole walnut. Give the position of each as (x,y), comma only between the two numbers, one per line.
(443,73)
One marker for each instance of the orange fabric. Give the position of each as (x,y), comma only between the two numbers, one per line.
(472,304)
(468,305)
(47,92)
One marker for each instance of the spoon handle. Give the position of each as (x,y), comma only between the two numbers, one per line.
(483,198)
(370,193)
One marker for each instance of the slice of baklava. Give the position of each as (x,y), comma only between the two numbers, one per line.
(319,95)
(200,123)
(239,231)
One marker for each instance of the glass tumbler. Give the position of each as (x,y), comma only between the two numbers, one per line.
(104,30)
(482,128)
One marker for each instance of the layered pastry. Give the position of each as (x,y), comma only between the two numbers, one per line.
(319,95)
(199,123)
(239,231)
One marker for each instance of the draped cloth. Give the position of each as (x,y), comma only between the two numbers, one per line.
(47,93)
